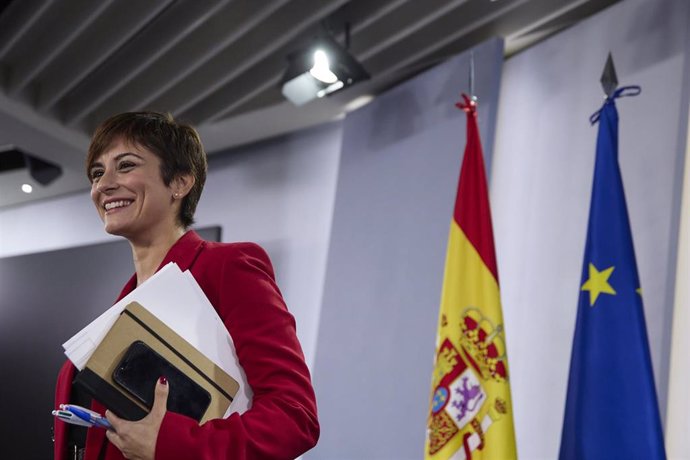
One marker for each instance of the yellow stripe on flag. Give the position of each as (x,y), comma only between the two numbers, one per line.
(471,407)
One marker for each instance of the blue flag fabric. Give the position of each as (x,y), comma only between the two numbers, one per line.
(611,408)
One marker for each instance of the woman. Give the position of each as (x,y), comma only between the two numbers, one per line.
(147,173)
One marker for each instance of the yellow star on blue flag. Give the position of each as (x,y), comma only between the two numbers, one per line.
(598,283)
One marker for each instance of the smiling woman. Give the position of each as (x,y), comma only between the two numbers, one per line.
(147,173)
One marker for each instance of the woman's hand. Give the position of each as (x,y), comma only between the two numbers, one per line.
(137,440)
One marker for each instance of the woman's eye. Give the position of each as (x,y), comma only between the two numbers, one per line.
(95,174)
(126,165)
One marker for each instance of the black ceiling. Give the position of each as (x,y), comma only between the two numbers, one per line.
(65,65)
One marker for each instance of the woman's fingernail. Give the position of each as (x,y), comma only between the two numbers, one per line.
(163,380)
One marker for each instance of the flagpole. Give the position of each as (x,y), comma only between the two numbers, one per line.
(472,95)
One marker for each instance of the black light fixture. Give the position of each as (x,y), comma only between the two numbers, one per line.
(43,172)
(320,69)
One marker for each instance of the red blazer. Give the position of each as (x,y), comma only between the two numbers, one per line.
(281,423)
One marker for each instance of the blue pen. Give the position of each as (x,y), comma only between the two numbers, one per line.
(88,415)
(69,417)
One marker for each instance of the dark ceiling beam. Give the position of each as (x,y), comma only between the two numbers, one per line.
(49,38)
(556,17)
(362,14)
(396,27)
(219,31)
(173,26)
(17,20)
(244,89)
(99,42)
(240,34)
(417,52)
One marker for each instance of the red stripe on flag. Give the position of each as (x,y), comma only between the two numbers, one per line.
(472,212)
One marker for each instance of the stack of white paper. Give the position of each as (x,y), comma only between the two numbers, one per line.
(177,300)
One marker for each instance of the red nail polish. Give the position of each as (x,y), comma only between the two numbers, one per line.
(163,380)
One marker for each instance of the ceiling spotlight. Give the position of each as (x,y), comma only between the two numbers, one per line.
(43,172)
(319,70)
(27,188)
(13,158)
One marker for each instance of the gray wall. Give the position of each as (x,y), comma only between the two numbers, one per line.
(280,193)
(396,184)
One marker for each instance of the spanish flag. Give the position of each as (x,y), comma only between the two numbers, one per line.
(470,415)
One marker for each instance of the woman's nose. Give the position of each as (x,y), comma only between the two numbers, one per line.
(106,182)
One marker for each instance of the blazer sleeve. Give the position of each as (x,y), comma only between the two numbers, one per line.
(282,421)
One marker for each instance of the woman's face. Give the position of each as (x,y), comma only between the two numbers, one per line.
(129,193)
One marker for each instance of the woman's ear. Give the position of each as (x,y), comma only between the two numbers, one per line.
(182,184)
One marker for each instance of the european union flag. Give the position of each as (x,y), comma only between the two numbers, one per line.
(611,409)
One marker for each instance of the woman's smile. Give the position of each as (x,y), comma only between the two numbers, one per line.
(111,205)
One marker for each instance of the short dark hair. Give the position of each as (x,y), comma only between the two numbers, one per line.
(177,145)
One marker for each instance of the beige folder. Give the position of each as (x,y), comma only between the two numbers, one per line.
(136,324)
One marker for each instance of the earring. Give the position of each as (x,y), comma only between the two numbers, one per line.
(176,195)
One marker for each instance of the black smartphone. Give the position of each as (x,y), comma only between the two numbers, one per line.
(140,368)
